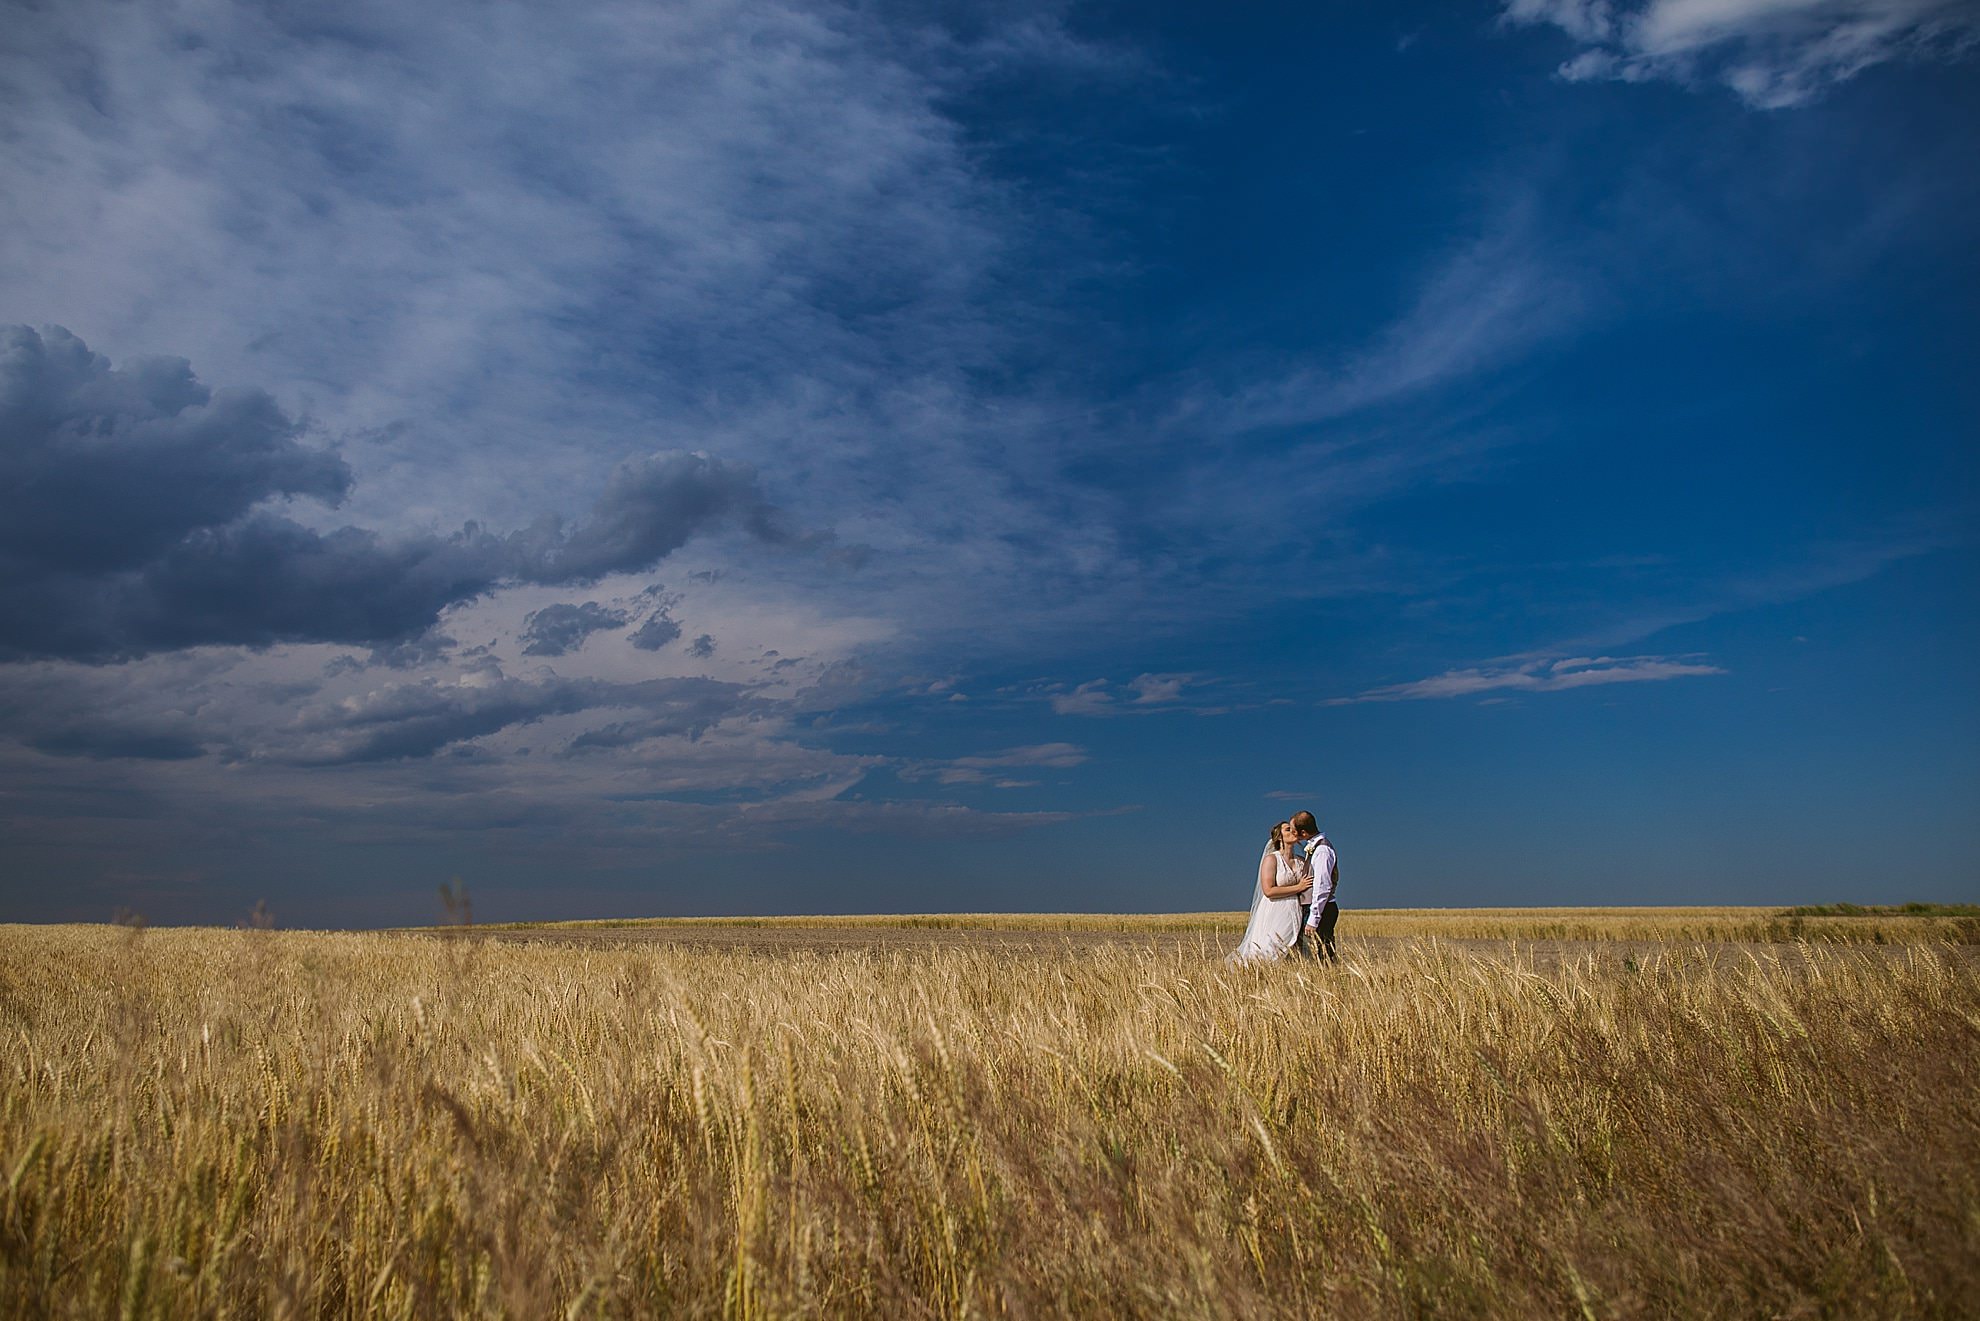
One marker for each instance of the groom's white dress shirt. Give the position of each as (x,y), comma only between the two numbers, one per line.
(1326,868)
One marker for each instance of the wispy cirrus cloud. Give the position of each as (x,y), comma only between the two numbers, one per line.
(1492,298)
(1539,676)
(1672,597)
(996,768)
(1105,697)
(1773,54)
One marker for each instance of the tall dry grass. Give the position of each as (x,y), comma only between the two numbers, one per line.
(1681,925)
(256,1123)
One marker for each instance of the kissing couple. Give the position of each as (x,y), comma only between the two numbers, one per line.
(1293,902)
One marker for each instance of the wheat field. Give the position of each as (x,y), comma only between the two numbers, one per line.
(1955,924)
(255,1123)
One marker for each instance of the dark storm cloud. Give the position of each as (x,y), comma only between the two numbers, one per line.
(427,649)
(419,720)
(556,630)
(648,510)
(102,469)
(656,632)
(691,707)
(261,580)
(105,743)
(128,520)
(65,720)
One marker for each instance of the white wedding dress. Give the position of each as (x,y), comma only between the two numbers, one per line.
(1274,923)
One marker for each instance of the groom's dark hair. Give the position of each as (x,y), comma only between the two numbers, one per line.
(1304,823)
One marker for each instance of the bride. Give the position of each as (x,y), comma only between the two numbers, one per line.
(1274,921)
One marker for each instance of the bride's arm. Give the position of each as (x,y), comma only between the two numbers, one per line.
(1267,870)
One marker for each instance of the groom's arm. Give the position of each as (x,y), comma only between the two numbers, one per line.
(1324,866)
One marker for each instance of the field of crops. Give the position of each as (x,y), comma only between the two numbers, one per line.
(1910,924)
(966,1119)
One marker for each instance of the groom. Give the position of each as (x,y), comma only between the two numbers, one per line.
(1318,912)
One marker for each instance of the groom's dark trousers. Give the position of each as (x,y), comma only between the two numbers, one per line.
(1321,932)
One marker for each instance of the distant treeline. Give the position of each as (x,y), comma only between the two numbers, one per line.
(1884,910)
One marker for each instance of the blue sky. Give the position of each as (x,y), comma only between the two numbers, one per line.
(847,458)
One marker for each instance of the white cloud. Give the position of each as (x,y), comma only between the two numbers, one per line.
(1772,53)
(989,768)
(1155,689)
(1589,20)
(1539,676)
(1104,697)
(1036,754)
(1092,698)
